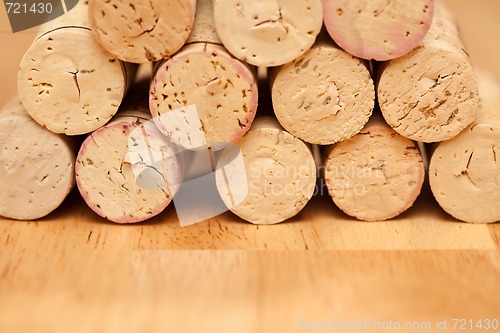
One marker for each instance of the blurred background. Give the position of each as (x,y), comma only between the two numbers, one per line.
(479,23)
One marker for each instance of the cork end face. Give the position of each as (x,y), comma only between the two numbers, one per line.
(378,30)
(204,97)
(68,83)
(107,176)
(142,31)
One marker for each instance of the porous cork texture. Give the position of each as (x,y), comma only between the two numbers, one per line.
(430,94)
(36,166)
(268,33)
(223,90)
(280,172)
(376,175)
(465,175)
(378,29)
(106,179)
(142,31)
(69,84)
(464,172)
(324,97)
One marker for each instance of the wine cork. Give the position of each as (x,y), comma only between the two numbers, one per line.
(203,96)
(127,171)
(279,176)
(204,27)
(142,31)
(325,96)
(464,172)
(267,32)
(430,94)
(376,175)
(378,29)
(67,82)
(36,166)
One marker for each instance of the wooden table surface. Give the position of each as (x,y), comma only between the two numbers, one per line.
(73,272)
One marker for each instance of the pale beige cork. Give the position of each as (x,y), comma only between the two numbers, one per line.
(325,96)
(142,31)
(36,166)
(430,94)
(268,32)
(278,177)
(378,29)
(67,82)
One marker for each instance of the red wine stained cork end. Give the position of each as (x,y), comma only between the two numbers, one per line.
(378,29)
(107,181)
(376,175)
(36,166)
(268,33)
(465,174)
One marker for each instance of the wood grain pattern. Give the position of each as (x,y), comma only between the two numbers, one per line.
(82,274)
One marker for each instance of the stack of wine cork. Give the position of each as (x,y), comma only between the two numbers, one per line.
(356,88)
